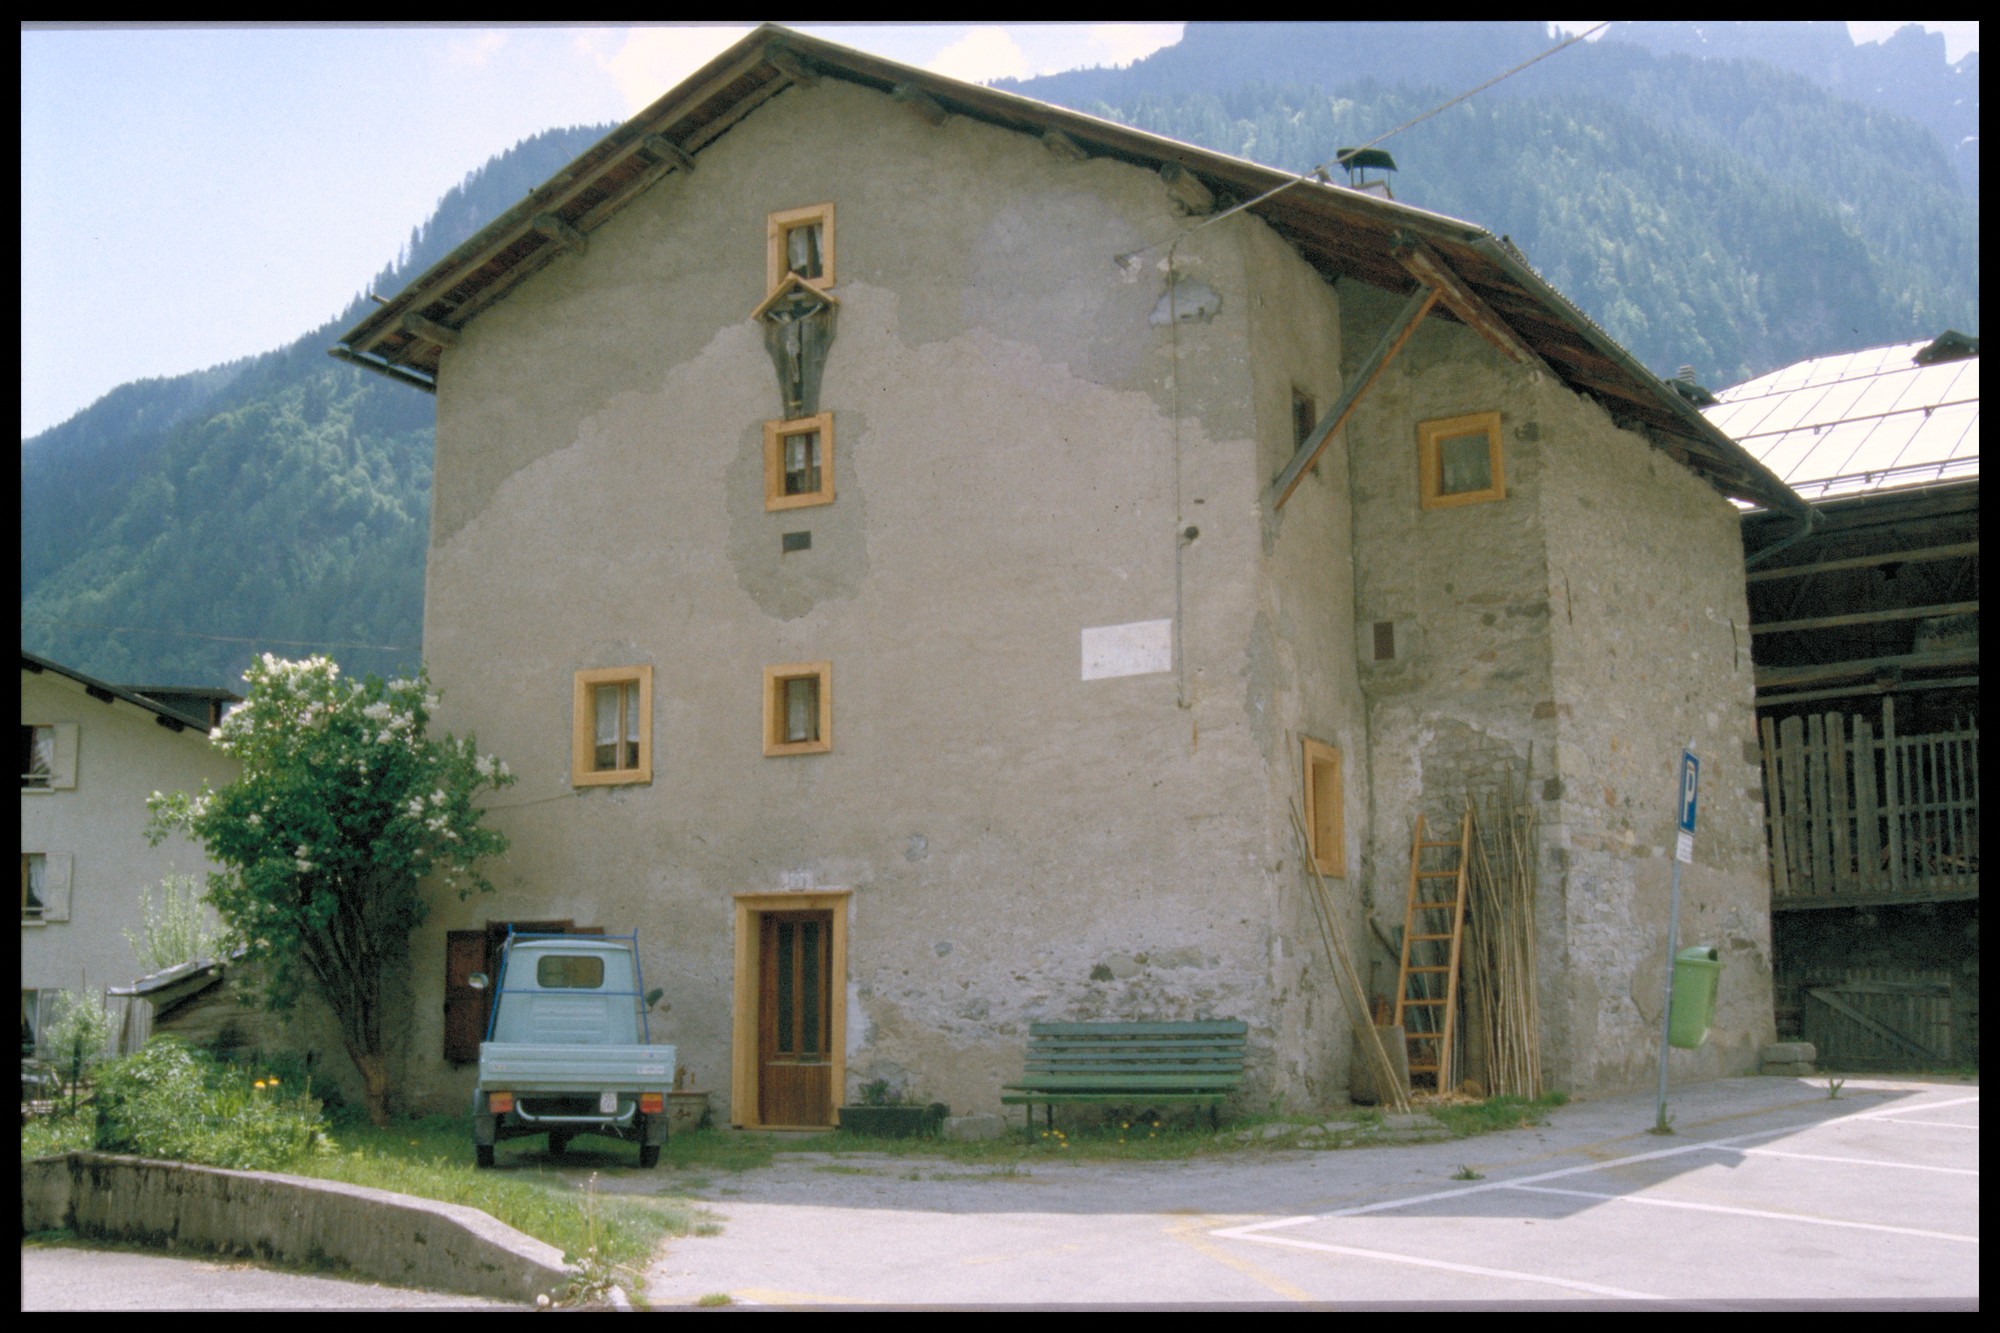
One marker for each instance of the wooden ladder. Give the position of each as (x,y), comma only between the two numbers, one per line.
(1433,920)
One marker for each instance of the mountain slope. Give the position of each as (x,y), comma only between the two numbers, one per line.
(278,503)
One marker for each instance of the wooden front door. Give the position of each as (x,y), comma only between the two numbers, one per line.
(794,1018)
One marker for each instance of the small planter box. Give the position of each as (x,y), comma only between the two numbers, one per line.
(686,1112)
(893,1122)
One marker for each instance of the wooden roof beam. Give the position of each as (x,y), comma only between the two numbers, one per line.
(791,67)
(662,149)
(1399,331)
(1954,551)
(1428,268)
(1062,147)
(1777,678)
(927,108)
(1867,618)
(553,227)
(1188,192)
(418,326)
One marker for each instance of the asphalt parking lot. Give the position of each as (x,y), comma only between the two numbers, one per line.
(1768,1193)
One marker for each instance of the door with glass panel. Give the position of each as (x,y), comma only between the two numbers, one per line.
(794,1018)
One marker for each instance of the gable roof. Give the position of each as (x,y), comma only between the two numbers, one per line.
(1860,422)
(173,719)
(1344,233)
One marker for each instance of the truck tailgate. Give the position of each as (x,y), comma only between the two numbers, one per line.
(518,1067)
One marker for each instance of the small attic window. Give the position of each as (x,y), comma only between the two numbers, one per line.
(1458,460)
(800,240)
(1305,415)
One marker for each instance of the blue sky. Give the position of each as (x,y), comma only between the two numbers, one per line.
(193,195)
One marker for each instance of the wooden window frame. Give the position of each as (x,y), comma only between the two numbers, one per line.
(778,225)
(583,728)
(61,775)
(39,915)
(1326,820)
(775,433)
(775,678)
(1431,436)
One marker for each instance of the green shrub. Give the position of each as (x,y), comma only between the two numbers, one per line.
(170,1101)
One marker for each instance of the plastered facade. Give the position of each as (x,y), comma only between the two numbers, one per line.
(94,833)
(1033,441)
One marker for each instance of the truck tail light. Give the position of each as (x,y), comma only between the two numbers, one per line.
(652,1103)
(499,1103)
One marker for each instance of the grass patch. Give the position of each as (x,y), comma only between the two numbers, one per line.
(1498,1113)
(431,1157)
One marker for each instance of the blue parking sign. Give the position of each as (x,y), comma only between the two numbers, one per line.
(1690,780)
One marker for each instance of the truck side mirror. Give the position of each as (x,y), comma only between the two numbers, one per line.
(477,981)
(653,996)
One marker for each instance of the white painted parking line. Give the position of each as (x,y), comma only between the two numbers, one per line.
(1469,1270)
(1849,1161)
(1251,1232)
(1928,1124)
(1896,1112)
(1749,1212)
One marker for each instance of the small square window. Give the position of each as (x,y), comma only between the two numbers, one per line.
(1325,826)
(800,240)
(1458,460)
(34,885)
(38,757)
(798,462)
(612,726)
(798,708)
(1305,415)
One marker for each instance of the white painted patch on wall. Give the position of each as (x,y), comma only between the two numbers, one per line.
(1143,648)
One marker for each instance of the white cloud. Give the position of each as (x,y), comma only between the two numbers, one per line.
(475,49)
(987,52)
(1123,43)
(649,61)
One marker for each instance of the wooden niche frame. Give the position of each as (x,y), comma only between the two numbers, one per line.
(1325,794)
(1431,438)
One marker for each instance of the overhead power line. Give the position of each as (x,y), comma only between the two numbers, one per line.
(226,638)
(1342,157)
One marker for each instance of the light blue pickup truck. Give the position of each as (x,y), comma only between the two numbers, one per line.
(568,1049)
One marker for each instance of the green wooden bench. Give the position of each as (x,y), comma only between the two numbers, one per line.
(1129,1063)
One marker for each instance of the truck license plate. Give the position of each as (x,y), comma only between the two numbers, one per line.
(608,1103)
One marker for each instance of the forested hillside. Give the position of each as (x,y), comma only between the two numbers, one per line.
(1716,212)
(280,503)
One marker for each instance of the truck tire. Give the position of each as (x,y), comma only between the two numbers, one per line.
(482,1154)
(558,1142)
(649,1155)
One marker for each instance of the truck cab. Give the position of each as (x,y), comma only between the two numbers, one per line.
(568,1047)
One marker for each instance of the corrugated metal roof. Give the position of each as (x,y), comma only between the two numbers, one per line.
(1859,422)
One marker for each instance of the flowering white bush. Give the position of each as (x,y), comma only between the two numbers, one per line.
(343,806)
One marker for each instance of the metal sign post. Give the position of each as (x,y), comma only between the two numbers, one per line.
(1690,782)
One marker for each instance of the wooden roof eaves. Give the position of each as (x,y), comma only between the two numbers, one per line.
(1323,220)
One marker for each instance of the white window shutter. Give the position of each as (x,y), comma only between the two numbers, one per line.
(55,886)
(62,773)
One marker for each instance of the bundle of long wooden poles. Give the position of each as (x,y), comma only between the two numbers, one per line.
(1500,952)
(1347,981)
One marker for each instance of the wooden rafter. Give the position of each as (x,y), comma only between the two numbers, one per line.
(1429,269)
(1399,331)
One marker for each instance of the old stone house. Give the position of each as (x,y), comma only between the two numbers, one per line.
(916,545)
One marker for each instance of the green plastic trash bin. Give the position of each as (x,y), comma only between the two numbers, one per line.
(1696,974)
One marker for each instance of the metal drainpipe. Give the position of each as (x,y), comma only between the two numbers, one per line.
(1805,528)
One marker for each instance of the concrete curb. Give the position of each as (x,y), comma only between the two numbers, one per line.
(371,1233)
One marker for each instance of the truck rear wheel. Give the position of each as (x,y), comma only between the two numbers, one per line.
(482,1153)
(649,1155)
(558,1142)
